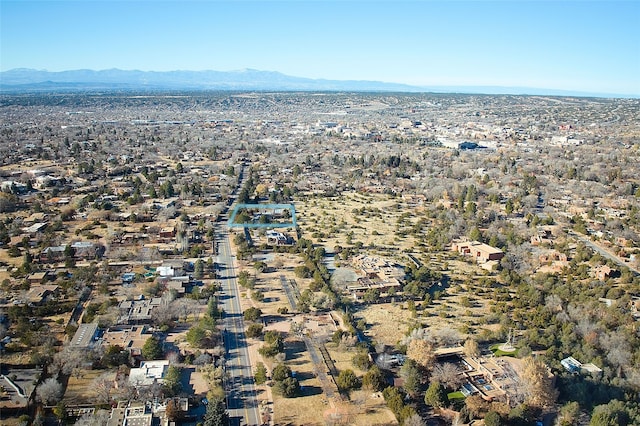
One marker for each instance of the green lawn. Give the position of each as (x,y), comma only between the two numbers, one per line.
(498,352)
(455,395)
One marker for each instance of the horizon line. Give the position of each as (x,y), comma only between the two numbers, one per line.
(423,87)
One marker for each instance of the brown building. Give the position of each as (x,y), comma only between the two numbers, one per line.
(479,251)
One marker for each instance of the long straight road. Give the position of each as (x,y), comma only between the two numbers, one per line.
(241,397)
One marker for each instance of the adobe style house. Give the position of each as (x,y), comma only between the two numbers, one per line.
(479,251)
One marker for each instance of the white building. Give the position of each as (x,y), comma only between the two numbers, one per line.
(149,373)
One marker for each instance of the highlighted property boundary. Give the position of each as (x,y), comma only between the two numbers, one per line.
(262,207)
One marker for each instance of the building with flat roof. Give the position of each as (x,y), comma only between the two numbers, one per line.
(149,373)
(479,251)
(131,338)
(130,414)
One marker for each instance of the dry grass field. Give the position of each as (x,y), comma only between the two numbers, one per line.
(82,390)
(352,218)
(303,410)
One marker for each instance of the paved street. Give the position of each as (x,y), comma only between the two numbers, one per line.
(603,252)
(242,403)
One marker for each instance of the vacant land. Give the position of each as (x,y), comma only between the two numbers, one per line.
(369,220)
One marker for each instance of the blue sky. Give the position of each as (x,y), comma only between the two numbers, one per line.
(574,45)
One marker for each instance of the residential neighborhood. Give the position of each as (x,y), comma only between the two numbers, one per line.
(318,258)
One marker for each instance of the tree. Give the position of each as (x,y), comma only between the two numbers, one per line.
(537,383)
(471,348)
(203,359)
(216,414)
(245,279)
(360,361)
(421,352)
(447,374)
(476,406)
(198,269)
(289,387)
(196,336)
(611,414)
(152,348)
(49,391)
(252,314)
(436,396)
(414,420)
(374,379)
(347,380)
(260,266)
(114,356)
(261,374)
(372,295)
(280,372)
(99,418)
(569,413)
(69,256)
(254,330)
(492,419)
(60,411)
(103,385)
(171,383)
(173,411)
(412,377)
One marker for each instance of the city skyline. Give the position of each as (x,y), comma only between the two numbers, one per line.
(591,46)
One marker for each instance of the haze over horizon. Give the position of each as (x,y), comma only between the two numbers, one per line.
(588,46)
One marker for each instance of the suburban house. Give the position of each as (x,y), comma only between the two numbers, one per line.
(376,273)
(603,272)
(479,251)
(275,238)
(39,294)
(150,372)
(87,250)
(137,311)
(572,365)
(167,233)
(130,338)
(52,254)
(38,277)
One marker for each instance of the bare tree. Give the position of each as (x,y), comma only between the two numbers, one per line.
(50,391)
(99,418)
(619,352)
(421,352)
(471,348)
(103,385)
(447,374)
(203,359)
(414,420)
(553,303)
(447,336)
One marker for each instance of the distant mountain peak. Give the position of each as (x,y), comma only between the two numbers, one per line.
(26,79)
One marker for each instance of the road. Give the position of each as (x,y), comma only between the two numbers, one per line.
(602,251)
(240,390)
(289,292)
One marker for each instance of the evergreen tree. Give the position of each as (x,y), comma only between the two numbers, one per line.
(216,414)
(436,395)
(152,348)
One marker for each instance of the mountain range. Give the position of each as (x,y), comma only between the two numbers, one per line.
(30,80)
